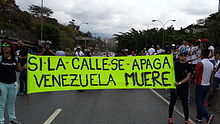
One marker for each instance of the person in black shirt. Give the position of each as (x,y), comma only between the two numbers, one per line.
(23,60)
(8,84)
(182,74)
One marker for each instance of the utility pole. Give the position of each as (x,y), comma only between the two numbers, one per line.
(41,25)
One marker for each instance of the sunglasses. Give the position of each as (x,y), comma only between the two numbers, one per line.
(6,45)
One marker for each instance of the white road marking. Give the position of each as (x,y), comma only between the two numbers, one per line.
(53,116)
(166,101)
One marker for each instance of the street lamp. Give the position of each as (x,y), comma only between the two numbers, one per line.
(41,24)
(86,23)
(79,28)
(163,24)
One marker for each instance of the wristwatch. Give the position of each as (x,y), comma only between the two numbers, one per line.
(180,83)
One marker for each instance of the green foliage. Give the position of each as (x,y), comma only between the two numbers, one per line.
(24,25)
(40,11)
(136,40)
(50,32)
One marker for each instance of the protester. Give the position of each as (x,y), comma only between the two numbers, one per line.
(204,80)
(124,52)
(133,53)
(8,84)
(216,81)
(183,47)
(211,53)
(88,53)
(182,74)
(47,50)
(79,52)
(159,50)
(217,74)
(60,52)
(151,51)
(23,60)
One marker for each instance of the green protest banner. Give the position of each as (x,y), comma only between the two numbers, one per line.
(56,73)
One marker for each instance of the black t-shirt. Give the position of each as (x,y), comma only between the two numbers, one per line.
(7,70)
(23,52)
(181,71)
(46,52)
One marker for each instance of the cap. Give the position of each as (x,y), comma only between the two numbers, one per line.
(124,50)
(48,42)
(173,45)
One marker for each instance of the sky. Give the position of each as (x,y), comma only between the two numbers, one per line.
(108,17)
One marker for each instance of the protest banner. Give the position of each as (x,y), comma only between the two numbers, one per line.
(59,73)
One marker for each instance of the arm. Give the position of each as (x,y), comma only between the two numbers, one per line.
(18,67)
(212,54)
(52,52)
(22,57)
(198,69)
(41,53)
(185,80)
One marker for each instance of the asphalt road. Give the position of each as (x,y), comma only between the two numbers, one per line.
(95,107)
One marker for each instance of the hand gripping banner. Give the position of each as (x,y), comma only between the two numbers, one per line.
(60,73)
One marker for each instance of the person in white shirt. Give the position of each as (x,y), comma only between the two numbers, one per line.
(60,52)
(159,50)
(216,80)
(183,47)
(190,50)
(151,51)
(211,53)
(79,52)
(217,72)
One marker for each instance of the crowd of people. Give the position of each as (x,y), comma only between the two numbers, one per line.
(197,64)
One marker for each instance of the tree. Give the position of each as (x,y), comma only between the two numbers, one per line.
(50,32)
(38,11)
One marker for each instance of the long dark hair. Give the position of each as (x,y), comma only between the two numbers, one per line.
(12,52)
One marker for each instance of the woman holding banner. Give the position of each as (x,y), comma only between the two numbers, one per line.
(182,74)
(8,84)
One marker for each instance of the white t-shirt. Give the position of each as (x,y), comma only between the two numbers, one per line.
(183,48)
(160,51)
(190,51)
(194,54)
(80,53)
(60,53)
(211,48)
(217,74)
(151,51)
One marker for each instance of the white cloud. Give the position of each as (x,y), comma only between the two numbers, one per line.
(113,16)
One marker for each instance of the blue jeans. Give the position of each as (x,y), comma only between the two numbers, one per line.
(23,81)
(216,83)
(201,93)
(7,98)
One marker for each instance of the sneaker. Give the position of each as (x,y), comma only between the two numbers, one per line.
(14,122)
(187,122)
(211,117)
(198,120)
(170,120)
